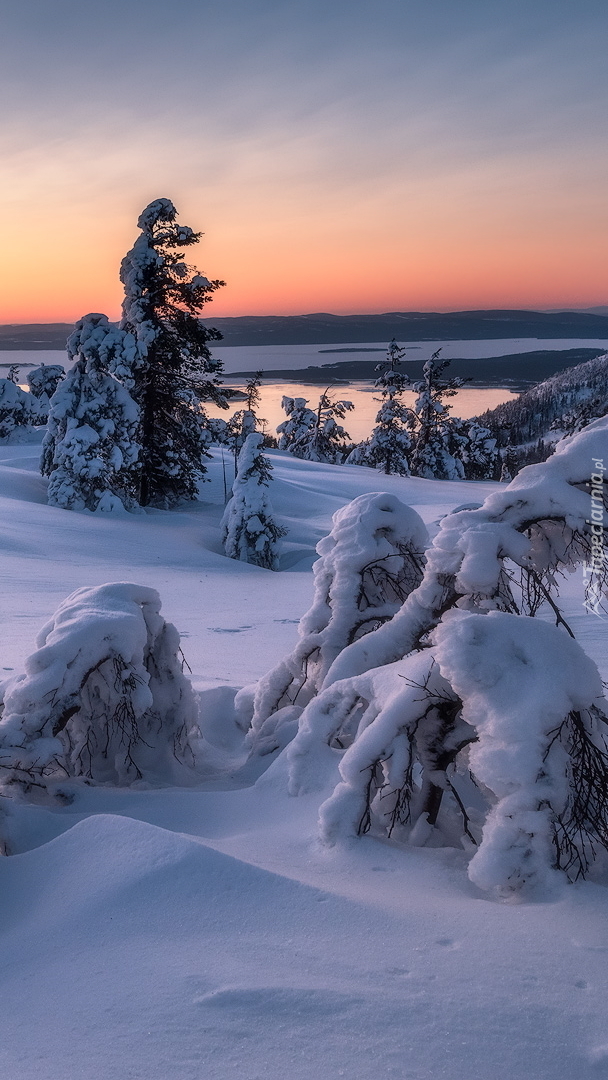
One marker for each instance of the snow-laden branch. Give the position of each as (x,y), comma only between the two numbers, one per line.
(369,563)
(540,524)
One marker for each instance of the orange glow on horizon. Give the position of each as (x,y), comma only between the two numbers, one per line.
(424,255)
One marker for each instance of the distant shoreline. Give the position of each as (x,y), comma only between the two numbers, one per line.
(325,329)
(514,371)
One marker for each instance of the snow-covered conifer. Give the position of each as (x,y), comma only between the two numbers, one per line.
(18,411)
(103,697)
(315,436)
(369,563)
(464,680)
(476,448)
(43,382)
(390,442)
(176,372)
(249,530)
(505,471)
(45,379)
(437,440)
(295,430)
(90,450)
(245,421)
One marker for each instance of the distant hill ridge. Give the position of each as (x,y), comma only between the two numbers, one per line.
(563,399)
(325,329)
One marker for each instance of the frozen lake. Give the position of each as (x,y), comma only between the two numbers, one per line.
(271,357)
(468,402)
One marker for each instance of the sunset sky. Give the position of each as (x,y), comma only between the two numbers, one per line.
(339,155)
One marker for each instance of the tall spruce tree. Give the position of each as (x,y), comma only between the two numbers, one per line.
(164,296)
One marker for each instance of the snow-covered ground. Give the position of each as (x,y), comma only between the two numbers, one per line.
(190,934)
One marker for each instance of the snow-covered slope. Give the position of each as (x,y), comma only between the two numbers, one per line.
(559,401)
(190,934)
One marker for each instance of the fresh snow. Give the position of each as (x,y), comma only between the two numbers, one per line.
(182,934)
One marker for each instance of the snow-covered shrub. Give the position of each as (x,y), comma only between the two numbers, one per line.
(369,563)
(18,411)
(90,449)
(249,531)
(409,700)
(103,697)
(534,700)
(504,712)
(508,554)
(43,382)
(390,442)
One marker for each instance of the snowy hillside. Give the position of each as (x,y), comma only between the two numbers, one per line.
(190,933)
(563,402)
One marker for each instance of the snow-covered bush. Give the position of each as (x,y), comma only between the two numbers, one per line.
(463,681)
(18,411)
(369,563)
(249,531)
(503,713)
(90,449)
(103,697)
(43,382)
(390,442)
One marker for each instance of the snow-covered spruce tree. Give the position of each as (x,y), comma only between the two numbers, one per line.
(508,467)
(476,449)
(245,421)
(367,566)
(176,372)
(315,436)
(390,442)
(103,697)
(300,419)
(90,450)
(437,441)
(465,683)
(43,382)
(581,412)
(249,530)
(249,419)
(18,411)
